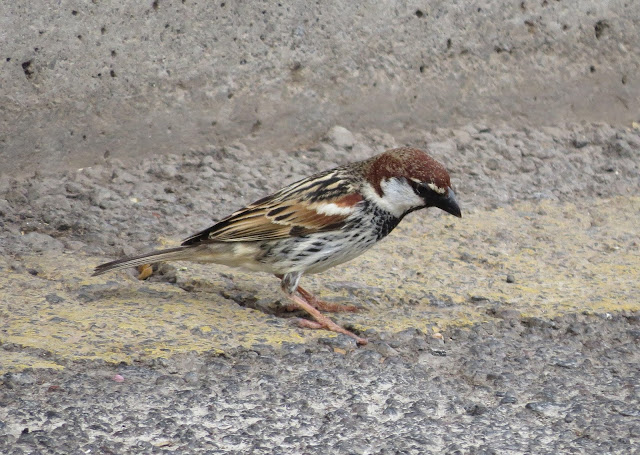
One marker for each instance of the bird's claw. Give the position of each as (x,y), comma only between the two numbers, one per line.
(307,324)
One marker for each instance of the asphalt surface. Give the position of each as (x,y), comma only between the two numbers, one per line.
(512,385)
(513,330)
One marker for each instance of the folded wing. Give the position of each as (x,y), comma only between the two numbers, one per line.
(319,203)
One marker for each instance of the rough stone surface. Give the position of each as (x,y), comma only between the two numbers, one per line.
(81,81)
(500,389)
(115,365)
(114,208)
(126,126)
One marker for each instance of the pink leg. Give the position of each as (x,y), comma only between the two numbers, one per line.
(319,304)
(322,322)
(325,306)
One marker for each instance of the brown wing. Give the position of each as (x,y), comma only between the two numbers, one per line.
(317,204)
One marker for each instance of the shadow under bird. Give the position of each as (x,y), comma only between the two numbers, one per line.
(317,223)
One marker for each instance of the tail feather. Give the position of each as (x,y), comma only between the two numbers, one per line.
(170,254)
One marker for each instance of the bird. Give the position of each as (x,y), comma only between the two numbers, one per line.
(317,223)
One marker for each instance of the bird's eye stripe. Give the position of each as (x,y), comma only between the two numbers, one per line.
(421,187)
(436,188)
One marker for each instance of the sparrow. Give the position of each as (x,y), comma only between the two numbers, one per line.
(317,223)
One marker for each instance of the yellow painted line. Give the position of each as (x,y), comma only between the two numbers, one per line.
(16,361)
(564,257)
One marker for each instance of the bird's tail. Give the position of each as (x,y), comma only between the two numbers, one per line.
(171,254)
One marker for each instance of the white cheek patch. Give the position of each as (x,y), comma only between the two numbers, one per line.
(333,209)
(397,198)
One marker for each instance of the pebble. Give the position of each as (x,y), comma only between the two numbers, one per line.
(191,377)
(341,341)
(475,409)
(5,207)
(54,298)
(37,242)
(634,333)
(544,408)
(341,137)
(384,349)
(438,352)
(568,363)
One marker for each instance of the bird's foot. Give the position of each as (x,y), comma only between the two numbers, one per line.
(316,302)
(321,321)
(324,306)
(332,327)
(321,304)
(334,307)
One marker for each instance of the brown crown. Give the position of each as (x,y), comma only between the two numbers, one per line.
(407,162)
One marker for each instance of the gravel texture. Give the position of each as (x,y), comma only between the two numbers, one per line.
(509,384)
(112,209)
(513,386)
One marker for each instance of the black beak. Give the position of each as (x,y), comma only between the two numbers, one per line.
(449,204)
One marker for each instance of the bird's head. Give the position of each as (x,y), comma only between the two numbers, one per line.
(406,179)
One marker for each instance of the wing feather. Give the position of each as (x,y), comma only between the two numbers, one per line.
(319,203)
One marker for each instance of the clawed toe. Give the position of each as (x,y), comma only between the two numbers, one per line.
(321,321)
(303,300)
(332,327)
(325,306)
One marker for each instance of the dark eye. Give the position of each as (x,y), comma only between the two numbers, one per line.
(421,189)
(424,189)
